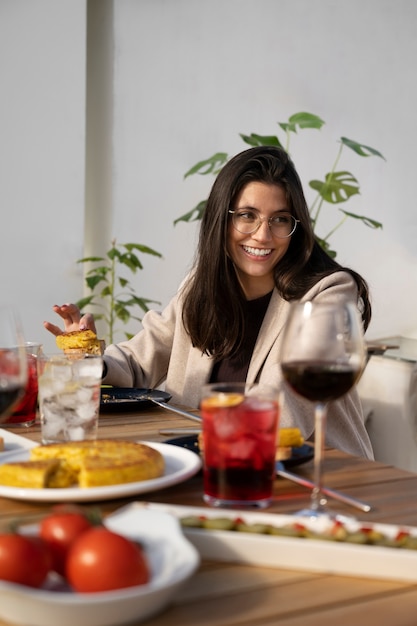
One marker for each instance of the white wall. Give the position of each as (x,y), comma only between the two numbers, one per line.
(189,76)
(42,113)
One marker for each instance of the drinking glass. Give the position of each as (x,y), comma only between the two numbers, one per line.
(24,413)
(13,363)
(323,356)
(240,426)
(69,396)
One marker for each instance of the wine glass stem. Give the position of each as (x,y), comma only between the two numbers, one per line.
(318,499)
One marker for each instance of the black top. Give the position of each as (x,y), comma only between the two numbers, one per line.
(235,368)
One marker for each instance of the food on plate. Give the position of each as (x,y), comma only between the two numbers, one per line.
(1,444)
(23,559)
(85,464)
(28,474)
(337,531)
(101,560)
(79,342)
(288,438)
(59,531)
(76,545)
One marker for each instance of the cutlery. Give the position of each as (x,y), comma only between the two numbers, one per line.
(337,495)
(174,409)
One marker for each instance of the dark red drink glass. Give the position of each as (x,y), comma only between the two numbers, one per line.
(25,412)
(240,425)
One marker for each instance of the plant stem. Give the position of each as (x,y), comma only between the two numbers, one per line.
(328,182)
(329,234)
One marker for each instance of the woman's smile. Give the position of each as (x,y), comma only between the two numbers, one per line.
(256,254)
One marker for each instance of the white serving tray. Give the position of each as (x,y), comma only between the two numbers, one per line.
(331,557)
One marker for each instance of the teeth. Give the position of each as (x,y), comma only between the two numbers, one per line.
(257,251)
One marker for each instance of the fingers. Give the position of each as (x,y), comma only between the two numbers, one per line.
(73,320)
(55,330)
(70,313)
(87,323)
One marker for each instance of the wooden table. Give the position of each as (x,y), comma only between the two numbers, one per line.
(223,594)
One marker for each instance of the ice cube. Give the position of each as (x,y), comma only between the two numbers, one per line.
(75,433)
(226,424)
(243,449)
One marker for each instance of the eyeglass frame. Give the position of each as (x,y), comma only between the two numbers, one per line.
(265,219)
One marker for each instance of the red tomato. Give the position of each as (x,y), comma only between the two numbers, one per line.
(23,559)
(59,531)
(101,560)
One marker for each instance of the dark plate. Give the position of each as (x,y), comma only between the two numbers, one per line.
(299,455)
(115,399)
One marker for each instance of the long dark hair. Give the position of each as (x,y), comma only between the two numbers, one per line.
(213,298)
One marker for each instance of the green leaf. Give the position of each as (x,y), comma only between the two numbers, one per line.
(91,259)
(93,281)
(302,120)
(366,220)
(360,148)
(122,313)
(326,247)
(208,166)
(123,281)
(142,248)
(255,140)
(142,302)
(107,291)
(194,215)
(131,261)
(113,253)
(338,187)
(99,271)
(81,304)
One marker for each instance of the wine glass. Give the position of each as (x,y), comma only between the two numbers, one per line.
(323,356)
(13,362)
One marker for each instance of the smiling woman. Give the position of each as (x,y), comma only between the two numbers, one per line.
(259,236)
(256,253)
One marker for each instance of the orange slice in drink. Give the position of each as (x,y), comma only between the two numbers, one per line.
(223,400)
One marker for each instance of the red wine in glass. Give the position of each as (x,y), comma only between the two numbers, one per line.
(13,362)
(322,358)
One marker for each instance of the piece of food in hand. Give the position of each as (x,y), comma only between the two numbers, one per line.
(79,342)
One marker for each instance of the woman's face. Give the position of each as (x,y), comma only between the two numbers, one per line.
(256,254)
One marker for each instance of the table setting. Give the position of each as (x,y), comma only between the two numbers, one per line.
(224,525)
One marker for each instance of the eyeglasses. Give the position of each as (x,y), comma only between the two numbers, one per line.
(282,225)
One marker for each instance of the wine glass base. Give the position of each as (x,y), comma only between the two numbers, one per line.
(320,514)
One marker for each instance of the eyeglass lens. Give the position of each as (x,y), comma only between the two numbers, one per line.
(281,225)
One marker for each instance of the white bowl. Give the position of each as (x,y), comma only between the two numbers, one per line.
(172,561)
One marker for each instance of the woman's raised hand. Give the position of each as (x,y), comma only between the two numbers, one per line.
(73,320)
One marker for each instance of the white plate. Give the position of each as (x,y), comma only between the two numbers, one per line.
(180,464)
(14,443)
(331,557)
(172,560)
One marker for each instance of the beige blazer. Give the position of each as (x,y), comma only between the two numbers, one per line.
(162,354)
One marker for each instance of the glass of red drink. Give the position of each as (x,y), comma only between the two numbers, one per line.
(25,412)
(240,426)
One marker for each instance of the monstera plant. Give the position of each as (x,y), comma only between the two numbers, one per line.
(337,187)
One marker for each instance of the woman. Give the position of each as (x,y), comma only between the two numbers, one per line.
(256,253)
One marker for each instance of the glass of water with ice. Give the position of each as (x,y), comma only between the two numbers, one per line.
(69,397)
